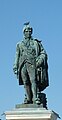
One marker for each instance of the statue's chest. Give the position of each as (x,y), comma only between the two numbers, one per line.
(29,48)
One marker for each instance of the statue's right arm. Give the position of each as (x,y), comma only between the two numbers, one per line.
(16,63)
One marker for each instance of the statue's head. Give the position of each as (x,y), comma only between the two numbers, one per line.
(27,30)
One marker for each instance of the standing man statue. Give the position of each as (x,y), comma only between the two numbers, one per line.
(30,65)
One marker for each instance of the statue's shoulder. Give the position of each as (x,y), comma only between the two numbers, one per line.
(19,44)
(39,42)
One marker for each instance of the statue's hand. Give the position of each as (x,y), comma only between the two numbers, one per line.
(15,70)
(39,62)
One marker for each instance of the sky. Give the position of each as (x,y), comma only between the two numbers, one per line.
(45,17)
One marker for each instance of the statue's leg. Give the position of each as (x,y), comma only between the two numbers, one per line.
(27,85)
(32,74)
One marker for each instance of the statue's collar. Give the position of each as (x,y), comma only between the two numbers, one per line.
(27,39)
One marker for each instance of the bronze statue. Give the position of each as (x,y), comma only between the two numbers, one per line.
(31,66)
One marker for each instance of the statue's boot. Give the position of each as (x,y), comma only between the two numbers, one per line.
(28,94)
(34,91)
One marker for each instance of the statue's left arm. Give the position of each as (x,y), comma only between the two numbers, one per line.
(42,55)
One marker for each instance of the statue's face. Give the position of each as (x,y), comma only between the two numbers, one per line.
(27,32)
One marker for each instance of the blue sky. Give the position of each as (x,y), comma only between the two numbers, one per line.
(45,17)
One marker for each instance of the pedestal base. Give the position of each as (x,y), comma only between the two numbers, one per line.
(35,113)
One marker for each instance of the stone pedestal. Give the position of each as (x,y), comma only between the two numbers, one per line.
(30,113)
